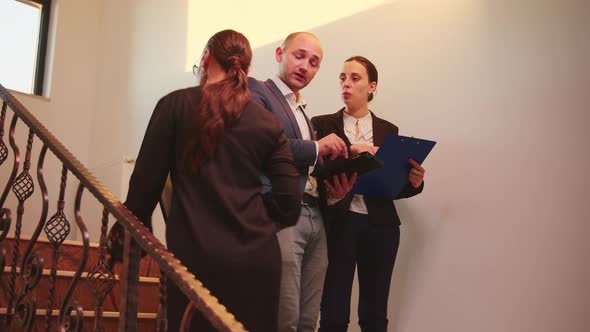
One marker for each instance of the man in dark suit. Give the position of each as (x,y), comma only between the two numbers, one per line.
(303,247)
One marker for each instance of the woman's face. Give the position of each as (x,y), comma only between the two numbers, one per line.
(354,81)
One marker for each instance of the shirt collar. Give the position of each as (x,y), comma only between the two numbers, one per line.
(289,94)
(363,122)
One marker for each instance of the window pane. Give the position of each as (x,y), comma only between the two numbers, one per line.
(19,32)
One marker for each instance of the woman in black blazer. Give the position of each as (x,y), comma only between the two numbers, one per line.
(215,142)
(363,232)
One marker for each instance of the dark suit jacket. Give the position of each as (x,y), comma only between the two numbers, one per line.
(381,210)
(220,225)
(270,97)
(223,197)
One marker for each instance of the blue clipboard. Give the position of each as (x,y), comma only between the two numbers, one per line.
(390,180)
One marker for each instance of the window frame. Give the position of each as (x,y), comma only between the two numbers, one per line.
(42,48)
(43,37)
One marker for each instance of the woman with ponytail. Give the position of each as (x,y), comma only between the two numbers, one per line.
(216,143)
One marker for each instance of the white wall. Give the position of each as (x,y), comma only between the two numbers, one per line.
(498,239)
(142,59)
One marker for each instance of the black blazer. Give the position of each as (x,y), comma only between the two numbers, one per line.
(381,210)
(219,209)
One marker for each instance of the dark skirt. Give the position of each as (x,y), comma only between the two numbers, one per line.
(248,289)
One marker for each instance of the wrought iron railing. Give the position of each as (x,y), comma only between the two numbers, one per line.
(24,272)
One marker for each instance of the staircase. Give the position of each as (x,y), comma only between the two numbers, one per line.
(53,284)
(70,251)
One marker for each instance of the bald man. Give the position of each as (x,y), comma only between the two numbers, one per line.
(303,246)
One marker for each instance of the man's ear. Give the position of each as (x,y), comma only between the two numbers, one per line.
(279,53)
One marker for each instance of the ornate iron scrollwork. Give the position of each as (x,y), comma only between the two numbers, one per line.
(25,313)
(2,259)
(23,186)
(65,312)
(3,148)
(26,305)
(57,230)
(23,189)
(72,318)
(33,270)
(101,279)
(5,220)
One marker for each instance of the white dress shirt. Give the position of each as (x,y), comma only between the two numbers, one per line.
(363,136)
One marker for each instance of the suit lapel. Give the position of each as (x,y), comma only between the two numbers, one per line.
(286,107)
(378,131)
(339,126)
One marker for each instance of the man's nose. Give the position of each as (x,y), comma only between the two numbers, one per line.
(304,67)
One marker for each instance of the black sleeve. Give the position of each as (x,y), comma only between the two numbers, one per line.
(153,162)
(284,201)
(410,191)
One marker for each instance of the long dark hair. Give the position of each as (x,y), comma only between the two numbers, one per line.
(369,66)
(222,102)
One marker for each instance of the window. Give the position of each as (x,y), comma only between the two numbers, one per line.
(24,26)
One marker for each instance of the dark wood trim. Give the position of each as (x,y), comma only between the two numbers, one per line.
(42,48)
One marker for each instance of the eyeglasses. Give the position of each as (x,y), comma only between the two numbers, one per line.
(195,70)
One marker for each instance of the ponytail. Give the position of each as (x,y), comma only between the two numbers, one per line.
(222,102)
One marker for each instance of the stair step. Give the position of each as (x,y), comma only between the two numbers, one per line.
(70,254)
(149,290)
(88,313)
(84,275)
(68,262)
(146,322)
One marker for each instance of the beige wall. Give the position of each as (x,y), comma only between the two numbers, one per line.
(71,103)
(73,87)
(498,239)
